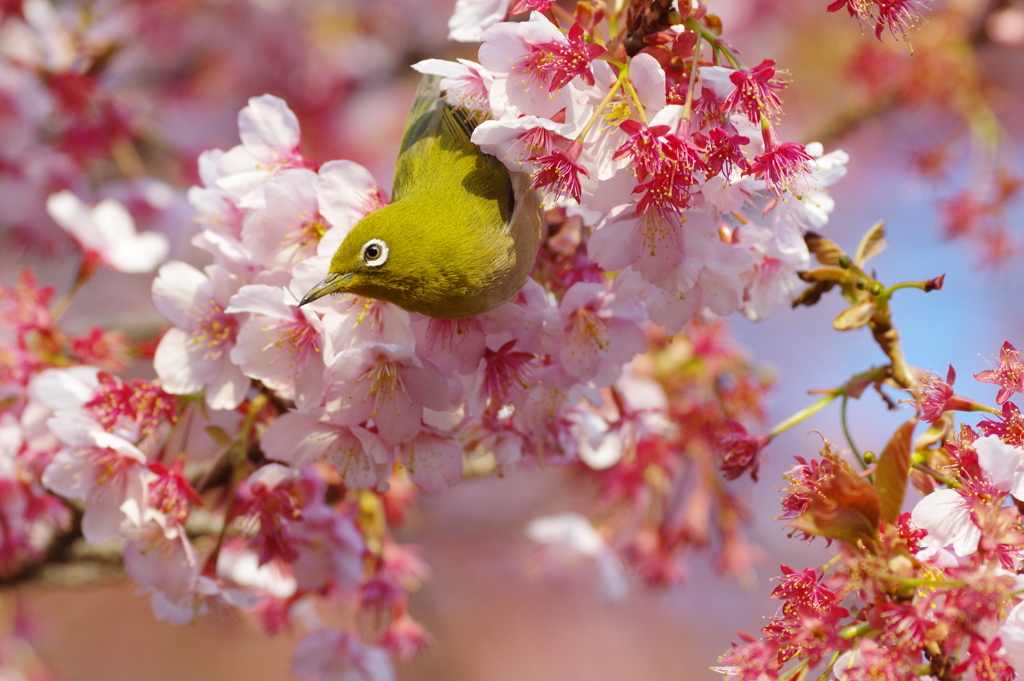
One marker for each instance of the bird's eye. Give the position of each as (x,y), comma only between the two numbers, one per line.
(375,252)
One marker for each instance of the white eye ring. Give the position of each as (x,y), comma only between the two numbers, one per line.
(375,252)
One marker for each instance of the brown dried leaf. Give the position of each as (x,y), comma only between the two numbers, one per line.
(825,250)
(854,317)
(847,507)
(219,436)
(893,471)
(871,245)
(812,294)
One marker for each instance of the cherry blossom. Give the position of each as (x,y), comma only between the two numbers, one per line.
(1008,375)
(386,383)
(332,655)
(359,456)
(103,470)
(195,354)
(270,143)
(281,344)
(106,233)
(570,538)
(532,62)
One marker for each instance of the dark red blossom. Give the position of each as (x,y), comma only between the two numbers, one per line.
(140,405)
(506,372)
(26,307)
(781,164)
(937,396)
(909,533)
(557,63)
(740,451)
(898,16)
(171,492)
(722,152)
(754,660)
(1008,374)
(560,171)
(108,350)
(963,215)
(804,588)
(987,661)
(754,95)
(524,6)
(1010,429)
(644,147)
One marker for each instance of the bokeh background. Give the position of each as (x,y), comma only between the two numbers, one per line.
(184,68)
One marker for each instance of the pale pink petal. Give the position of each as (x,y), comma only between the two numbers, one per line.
(947,518)
(472,17)
(346,192)
(617,241)
(176,291)
(433,462)
(180,370)
(268,129)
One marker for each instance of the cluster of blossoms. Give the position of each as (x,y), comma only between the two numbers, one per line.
(899,16)
(932,594)
(671,199)
(651,164)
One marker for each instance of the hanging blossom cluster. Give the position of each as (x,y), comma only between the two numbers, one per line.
(934,593)
(660,163)
(898,16)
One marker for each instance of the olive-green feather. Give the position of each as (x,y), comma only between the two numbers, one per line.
(462,232)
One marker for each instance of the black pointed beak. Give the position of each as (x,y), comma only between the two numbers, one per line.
(332,283)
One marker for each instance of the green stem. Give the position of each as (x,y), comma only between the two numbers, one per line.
(848,434)
(948,482)
(636,101)
(623,74)
(240,451)
(855,630)
(791,672)
(688,105)
(713,40)
(804,413)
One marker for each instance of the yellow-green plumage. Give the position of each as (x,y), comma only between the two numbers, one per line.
(461,234)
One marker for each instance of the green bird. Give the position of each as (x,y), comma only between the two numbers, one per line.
(461,234)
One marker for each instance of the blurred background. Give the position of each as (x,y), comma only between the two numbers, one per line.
(928,156)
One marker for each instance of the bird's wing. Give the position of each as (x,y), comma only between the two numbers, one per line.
(435,132)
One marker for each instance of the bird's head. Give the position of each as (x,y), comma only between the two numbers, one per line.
(375,260)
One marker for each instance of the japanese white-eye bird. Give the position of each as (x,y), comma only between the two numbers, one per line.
(461,234)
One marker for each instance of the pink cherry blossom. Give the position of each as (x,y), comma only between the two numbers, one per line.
(329,549)
(102,469)
(288,227)
(597,340)
(195,354)
(158,554)
(332,655)
(385,383)
(106,233)
(281,344)
(270,143)
(523,79)
(464,83)
(572,543)
(451,345)
(472,17)
(345,193)
(358,455)
(433,461)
